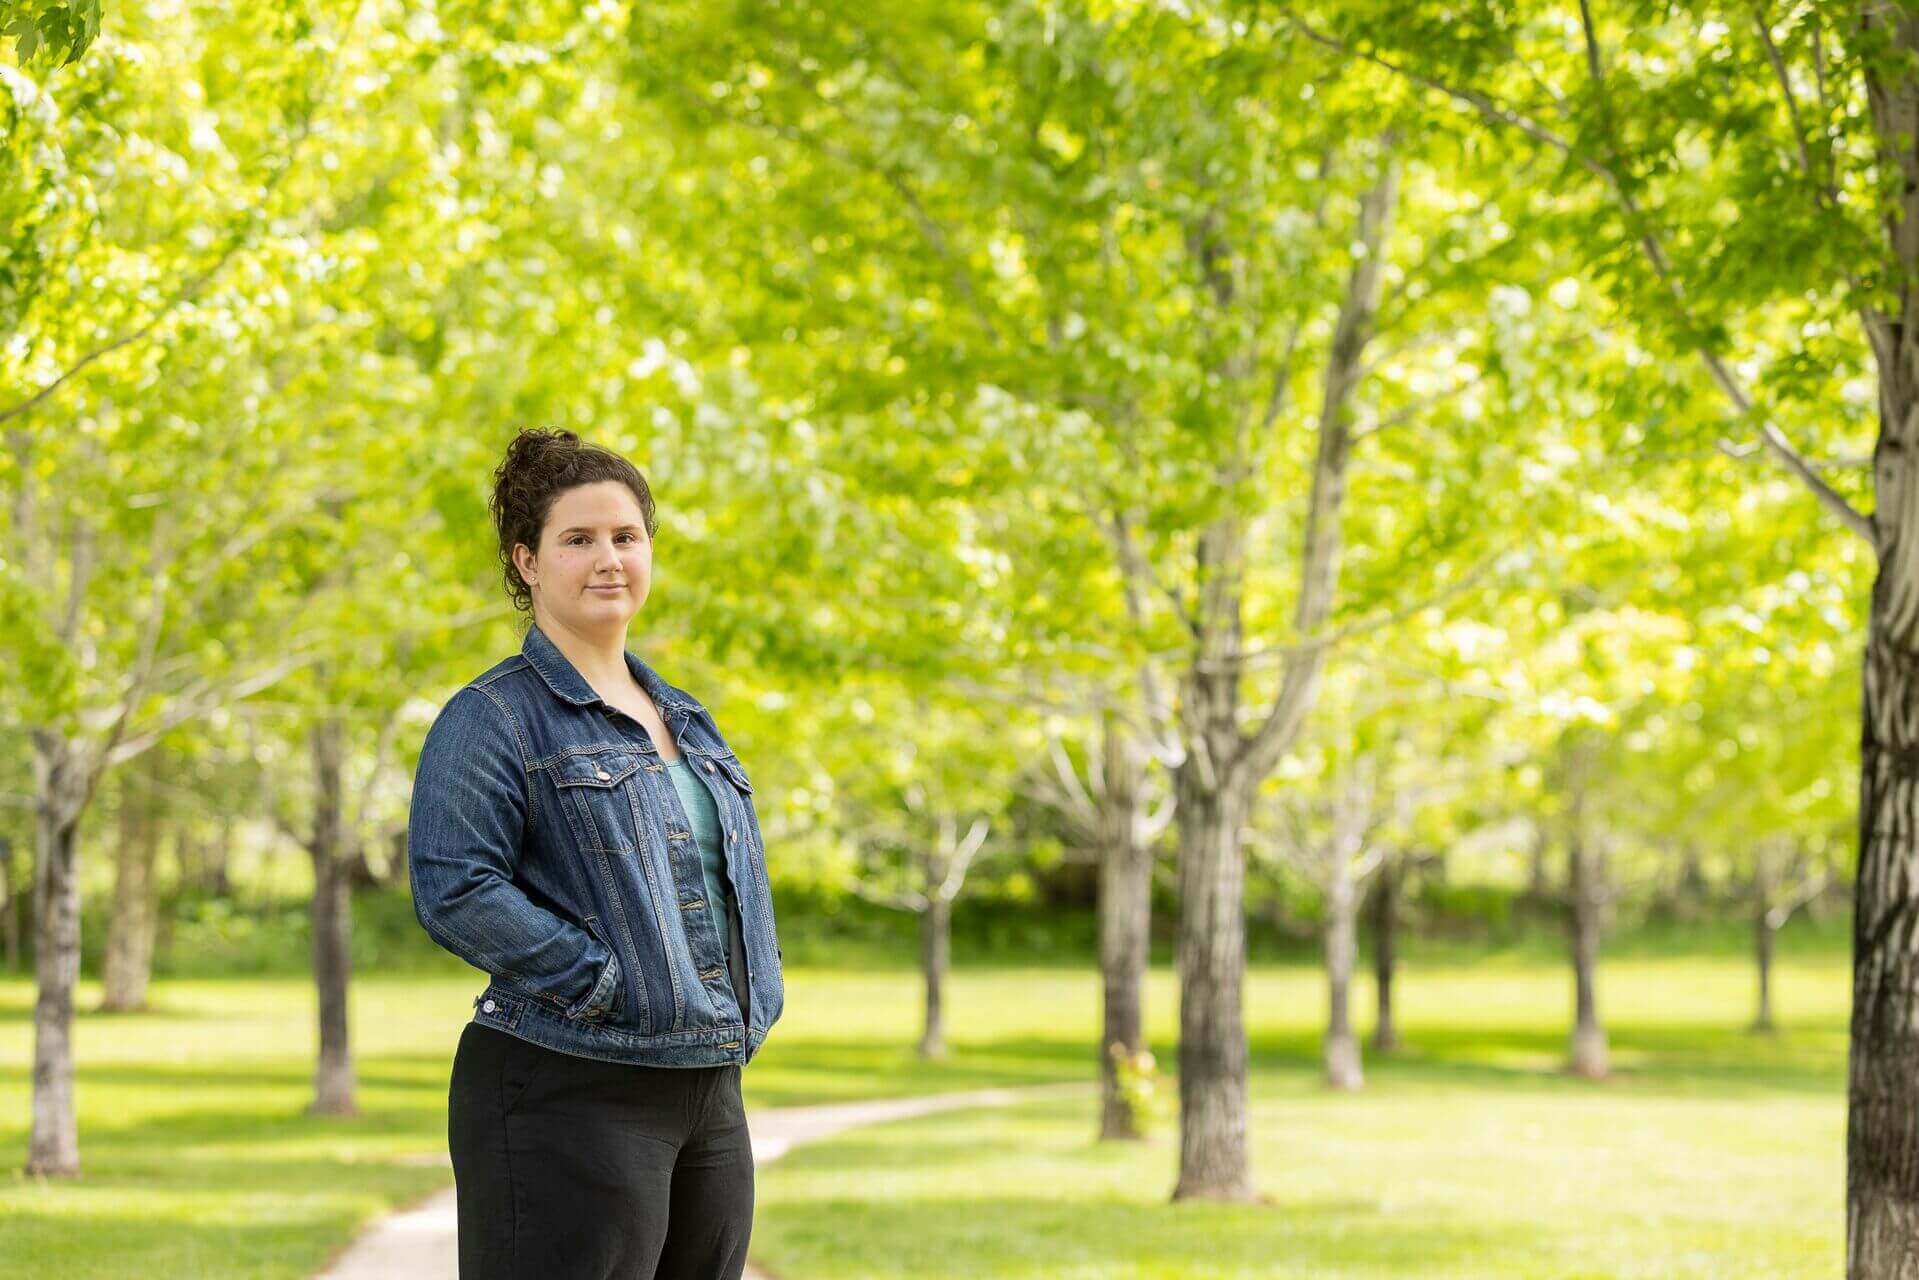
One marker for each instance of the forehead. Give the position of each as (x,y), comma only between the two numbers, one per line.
(604,504)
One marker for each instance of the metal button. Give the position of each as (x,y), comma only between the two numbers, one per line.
(709,766)
(488,1006)
(604,775)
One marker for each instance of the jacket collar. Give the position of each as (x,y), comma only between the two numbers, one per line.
(569,685)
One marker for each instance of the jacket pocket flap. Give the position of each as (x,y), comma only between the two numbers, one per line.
(595,768)
(735,770)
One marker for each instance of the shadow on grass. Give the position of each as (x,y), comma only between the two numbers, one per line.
(1658,1059)
(1009,1238)
(263,1218)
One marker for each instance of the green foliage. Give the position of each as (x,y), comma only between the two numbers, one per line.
(55,32)
(1142,1090)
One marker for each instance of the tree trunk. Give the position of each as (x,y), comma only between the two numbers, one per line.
(1692,892)
(1125,920)
(1882,1122)
(1763,934)
(9,905)
(1214,1160)
(1589,1038)
(1882,1091)
(333,1084)
(935,940)
(1341,941)
(1214,784)
(1539,880)
(53,1145)
(219,860)
(128,963)
(1385,926)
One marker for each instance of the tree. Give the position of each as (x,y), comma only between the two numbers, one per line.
(1668,119)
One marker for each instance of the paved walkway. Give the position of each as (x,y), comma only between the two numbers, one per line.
(419,1243)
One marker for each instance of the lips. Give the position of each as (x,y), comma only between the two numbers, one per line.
(617,586)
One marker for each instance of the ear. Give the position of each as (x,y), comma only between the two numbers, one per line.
(525,562)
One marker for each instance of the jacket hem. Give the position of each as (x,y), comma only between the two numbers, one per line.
(723,1045)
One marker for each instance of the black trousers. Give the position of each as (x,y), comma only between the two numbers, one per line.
(570,1168)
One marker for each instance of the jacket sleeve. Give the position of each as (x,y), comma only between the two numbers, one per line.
(465,831)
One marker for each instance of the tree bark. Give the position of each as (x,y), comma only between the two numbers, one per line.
(1125,920)
(128,963)
(1882,1090)
(1691,893)
(935,942)
(9,905)
(1214,1161)
(1763,935)
(218,859)
(1589,1037)
(333,1084)
(1341,941)
(1539,879)
(1882,1120)
(53,1144)
(1882,1128)
(1385,929)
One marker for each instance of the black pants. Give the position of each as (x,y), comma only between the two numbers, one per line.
(570,1168)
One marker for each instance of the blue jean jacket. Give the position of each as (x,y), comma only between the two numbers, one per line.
(549,849)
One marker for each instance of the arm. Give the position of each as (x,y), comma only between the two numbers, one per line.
(464,833)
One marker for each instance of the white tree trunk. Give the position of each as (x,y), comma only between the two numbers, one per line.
(1342,947)
(53,1143)
(1125,920)
(128,963)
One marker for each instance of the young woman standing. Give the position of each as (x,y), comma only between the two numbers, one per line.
(582,832)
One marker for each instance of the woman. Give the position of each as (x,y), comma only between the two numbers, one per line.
(581,831)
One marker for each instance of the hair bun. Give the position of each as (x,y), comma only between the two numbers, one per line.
(539,464)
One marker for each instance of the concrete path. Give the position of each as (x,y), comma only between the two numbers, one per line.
(419,1243)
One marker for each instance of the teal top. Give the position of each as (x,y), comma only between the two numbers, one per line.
(704,816)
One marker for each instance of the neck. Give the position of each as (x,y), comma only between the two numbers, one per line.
(599,657)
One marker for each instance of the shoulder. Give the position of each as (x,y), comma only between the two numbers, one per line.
(482,711)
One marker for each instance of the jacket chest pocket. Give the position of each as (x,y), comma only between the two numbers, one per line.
(718,764)
(726,768)
(593,787)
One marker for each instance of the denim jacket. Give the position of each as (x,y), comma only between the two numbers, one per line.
(550,849)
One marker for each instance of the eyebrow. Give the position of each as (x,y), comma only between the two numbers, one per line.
(580,528)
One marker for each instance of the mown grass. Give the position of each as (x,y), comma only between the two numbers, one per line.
(1710,1152)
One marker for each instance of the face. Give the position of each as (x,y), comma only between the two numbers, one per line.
(595,561)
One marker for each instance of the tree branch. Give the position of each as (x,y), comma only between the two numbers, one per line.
(1649,242)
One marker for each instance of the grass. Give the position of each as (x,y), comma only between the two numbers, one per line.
(1470,1153)
(1709,1153)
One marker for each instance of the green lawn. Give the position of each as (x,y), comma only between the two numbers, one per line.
(1711,1152)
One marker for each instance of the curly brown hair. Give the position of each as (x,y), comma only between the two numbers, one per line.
(538,467)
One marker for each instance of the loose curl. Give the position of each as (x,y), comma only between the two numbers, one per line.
(538,467)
